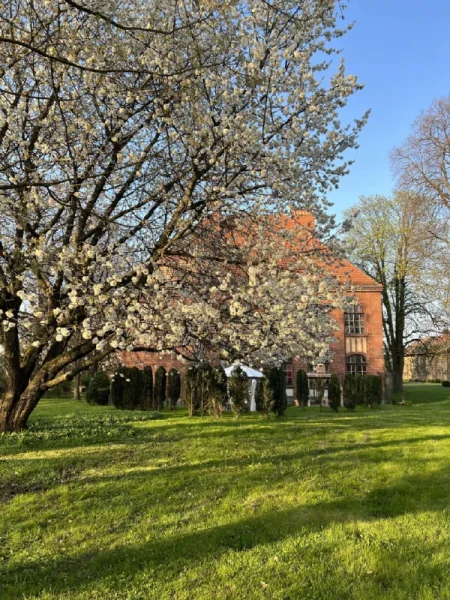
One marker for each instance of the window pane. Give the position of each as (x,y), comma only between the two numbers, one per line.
(356,364)
(354,320)
(288,373)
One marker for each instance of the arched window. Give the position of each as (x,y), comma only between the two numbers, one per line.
(354,320)
(356,364)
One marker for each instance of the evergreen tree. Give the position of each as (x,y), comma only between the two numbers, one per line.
(117,387)
(334,392)
(147,398)
(238,391)
(350,392)
(190,390)
(160,387)
(218,391)
(302,386)
(98,389)
(173,387)
(264,395)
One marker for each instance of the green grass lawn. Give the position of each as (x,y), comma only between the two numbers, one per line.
(99,505)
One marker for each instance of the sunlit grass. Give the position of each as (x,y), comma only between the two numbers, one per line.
(314,505)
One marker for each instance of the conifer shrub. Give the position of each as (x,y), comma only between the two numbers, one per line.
(173,387)
(217,392)
(98,389)
(334,393)
(302,388)
(263,397)
(190,390)
(117,387)
(147,383)
(360,388)
(205,376)
(446,383)
(275,390)
(238,391)
(160,387)
(133,388)
(350,392)
(373,390)
(280,405)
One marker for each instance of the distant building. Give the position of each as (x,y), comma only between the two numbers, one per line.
(428,359)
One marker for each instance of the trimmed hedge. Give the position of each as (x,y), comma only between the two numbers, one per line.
(446,383)
(362,389)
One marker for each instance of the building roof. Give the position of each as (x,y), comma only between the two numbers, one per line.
(430,345)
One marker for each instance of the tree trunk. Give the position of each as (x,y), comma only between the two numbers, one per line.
(15,409)
(398,361)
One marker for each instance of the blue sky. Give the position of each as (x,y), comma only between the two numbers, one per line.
(400,50)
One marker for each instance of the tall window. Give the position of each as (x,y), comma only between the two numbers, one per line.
(288,373)
(354,319)
(356,364)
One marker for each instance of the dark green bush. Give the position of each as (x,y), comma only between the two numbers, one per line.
(334,392)
(373,390)
(98,389)
(275,390)
(173,387)
(350,392)
(133,389)
(238,391)
(360,389)
(446,383)
(218,392)
(264,395)
(160,387)
(63,390)
(147,383)
(117,387)
(302,388)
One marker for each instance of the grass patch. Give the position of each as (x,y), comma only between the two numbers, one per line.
(98,503)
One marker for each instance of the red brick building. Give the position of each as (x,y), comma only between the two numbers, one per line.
(358,345)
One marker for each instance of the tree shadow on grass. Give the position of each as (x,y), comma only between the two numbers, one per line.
(170,555)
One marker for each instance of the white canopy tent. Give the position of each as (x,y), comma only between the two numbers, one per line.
(253,375)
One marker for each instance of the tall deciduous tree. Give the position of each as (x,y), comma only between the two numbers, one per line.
(396,241)
(124,125)
(422,162)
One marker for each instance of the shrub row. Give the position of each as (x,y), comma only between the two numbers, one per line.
(134,389)
(205,390)
(362,389)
